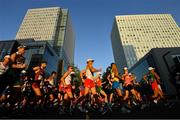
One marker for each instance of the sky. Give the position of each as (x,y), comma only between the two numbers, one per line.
(92,22)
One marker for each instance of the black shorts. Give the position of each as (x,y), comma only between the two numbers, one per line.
(2,84)
(129,87)
(36,84)
(4,81)
(50,91)
(147,90)
(137,88)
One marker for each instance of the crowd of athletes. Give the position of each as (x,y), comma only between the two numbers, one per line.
(39,92)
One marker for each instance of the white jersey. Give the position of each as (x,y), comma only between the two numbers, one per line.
(68,79)
(3,68)
(89,74)
(51,82)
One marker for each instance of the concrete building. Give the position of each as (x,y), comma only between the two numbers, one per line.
(166,62)
(133,36)
(51,24)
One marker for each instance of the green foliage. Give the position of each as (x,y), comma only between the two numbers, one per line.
(77,79)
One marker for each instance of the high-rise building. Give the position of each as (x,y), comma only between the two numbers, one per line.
(134,35)
(51,24)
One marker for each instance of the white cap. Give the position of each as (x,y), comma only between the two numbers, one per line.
(125,68)
(130,74)
(22,46)
(72,73)
(88,60)
(150,68)
(7,56)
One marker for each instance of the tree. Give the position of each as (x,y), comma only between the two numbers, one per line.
(76,79)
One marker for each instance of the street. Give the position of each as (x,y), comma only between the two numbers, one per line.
(158,111)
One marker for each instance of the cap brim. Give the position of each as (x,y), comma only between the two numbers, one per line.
(90,61)
(151,68)
(22,47)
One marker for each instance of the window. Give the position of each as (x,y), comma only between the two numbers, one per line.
(176,59)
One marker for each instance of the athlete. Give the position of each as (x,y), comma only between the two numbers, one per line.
(153,78)
(51,86)
(66,80)
(89,83)
(128,85)
(115,79)
(38,78)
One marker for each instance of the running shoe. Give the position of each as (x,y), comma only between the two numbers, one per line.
(109,106)
(61,111)
(124,110)
(155,101)
(82,109)
(143,106)
(104,111)
(100,109)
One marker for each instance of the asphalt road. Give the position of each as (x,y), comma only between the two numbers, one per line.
(159,111)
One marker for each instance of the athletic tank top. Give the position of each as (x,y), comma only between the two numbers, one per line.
(151,77)
(127,79)
(113,76)
(89,74)
(68,79)
(19,59)
(51,82)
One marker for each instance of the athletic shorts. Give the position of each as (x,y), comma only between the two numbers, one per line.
(82,92)
(154,85)
(68,88)
(98,89)
(115,85)
(137,88)
(36,84)
(129,87)
(89,83)
(61,88)
(50,91)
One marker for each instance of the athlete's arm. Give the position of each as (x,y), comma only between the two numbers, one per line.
(36,69)
(81,75)
(64,76)
(145,78)
(157,77)
(13,56)
(94,69)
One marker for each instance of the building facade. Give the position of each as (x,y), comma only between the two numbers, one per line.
(40,51)
(166,62)
(36,52)
(7,48)
(53,25)
(133,36)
